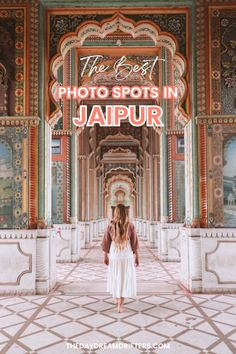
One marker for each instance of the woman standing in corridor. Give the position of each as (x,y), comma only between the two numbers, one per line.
(120,246)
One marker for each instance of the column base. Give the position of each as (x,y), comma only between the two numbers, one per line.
(81,233)
(18,262)
(168,240)
(153,234)
(45,261)
(63,242)
(67,243)
(208,260)
(87,234)
(28,261)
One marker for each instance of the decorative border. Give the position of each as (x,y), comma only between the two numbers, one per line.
(6,234)
(27,74)
(212,119)
(210,130)
(59,165)
(202,46)
(174,132)
(17,121)
(218,21)
(18,14)
(17,282)
(179,214)
(17,138)
(173,242)
(62,133)
(17,292)
(33,20)
(171,206)
(212,271)
(33,174)
(202,137)
(215,159)
(25,13)
(216,175)
(218,233)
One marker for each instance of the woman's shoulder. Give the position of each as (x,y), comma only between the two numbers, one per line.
(131,225)
(110,225)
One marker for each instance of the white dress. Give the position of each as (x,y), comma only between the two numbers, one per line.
(121,272)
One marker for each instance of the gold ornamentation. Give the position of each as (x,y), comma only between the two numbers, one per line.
(16,121)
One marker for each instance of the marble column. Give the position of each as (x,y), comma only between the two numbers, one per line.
(45,261)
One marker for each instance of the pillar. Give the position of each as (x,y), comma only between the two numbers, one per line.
(75,236)
(45,246)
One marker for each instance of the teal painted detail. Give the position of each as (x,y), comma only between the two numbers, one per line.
(57,192)
(73,176)
(73,150)
(11,142)
(165,209)
(59,124)
(41,130)
(194,126)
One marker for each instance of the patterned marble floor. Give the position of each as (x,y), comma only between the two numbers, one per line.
(78,316)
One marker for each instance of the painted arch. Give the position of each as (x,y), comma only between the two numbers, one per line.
(109,26)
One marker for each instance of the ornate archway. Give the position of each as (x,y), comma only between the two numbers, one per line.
(120,23)
(120,189)
(93,166)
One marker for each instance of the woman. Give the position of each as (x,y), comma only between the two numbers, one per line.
(121,243)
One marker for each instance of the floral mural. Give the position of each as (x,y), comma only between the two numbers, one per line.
(12,175)
(223,60)
(230,182)
(6,184)
(57,192)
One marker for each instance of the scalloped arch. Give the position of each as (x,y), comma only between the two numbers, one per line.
(119,168)
(119,22)
(118,184)
(117,178)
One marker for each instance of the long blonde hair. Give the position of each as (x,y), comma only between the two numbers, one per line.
(120,223)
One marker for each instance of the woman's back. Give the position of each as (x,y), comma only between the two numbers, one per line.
(125,252)
(120,246)
(109,237)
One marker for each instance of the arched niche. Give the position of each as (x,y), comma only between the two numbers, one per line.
(119,190)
